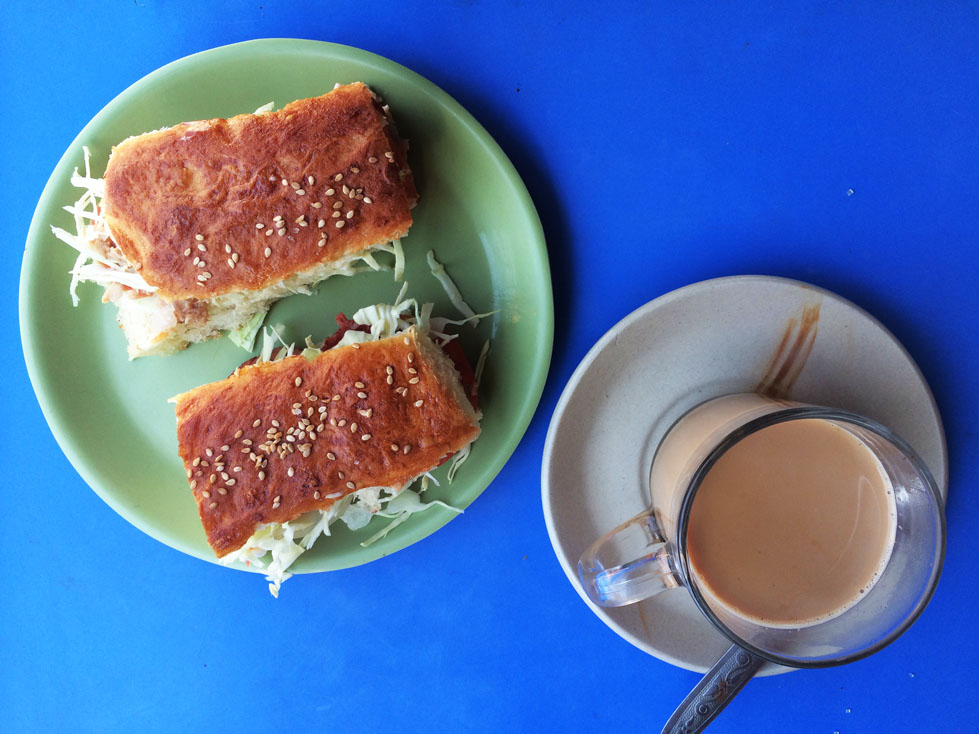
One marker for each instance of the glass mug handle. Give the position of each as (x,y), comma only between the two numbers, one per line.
(628,564)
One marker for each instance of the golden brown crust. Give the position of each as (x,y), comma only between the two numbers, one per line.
(357,426)
(201,188)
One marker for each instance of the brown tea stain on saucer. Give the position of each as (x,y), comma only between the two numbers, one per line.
(792,353)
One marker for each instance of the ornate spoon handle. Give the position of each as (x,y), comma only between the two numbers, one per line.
(715,690)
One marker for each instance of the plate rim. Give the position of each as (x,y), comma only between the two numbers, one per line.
(602,344)
(544,319)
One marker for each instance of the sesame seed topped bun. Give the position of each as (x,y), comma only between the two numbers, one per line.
(207,208)
(279,439)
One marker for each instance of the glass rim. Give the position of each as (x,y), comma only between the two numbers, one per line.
(766,421)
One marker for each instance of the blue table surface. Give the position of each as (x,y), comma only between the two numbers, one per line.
(835,143)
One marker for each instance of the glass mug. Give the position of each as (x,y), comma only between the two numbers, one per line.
(808,536)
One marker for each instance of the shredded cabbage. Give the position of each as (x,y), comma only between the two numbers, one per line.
(451,290)
(244,335)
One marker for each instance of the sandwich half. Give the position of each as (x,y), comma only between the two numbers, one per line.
(198,228)
(283,447)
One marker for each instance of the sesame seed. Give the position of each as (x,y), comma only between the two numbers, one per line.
(355,345)
(368,200)
(346,189)
(259,225)
(365,437)
(411,357)
(291,472)
(257,423)
(322,409)
(277,218)
(408,342)
(351,485)
(223,491)
(413,381)
(275,424)
(197,261)
(389,369)
(341,474)
(199,237)
(412,371)
(331,192)
(275,505)
(372,159)
(316,495)
(300,192)
(336,398)
(366,413)
(407,449)
(321,242)
(234,256)
(231,263)
(187,252)
(316,205)
(338,205)
(336,215)
(284,182)
(394,447)
(196,461)
(212,505)
(294,185)
(338,177)
(202,248)
(353,428)
(350,214)
(390,380)
(281,232)
(226,448)
(206,274)
(362,395)
(340,224)
(268,233)
(342,422)
(320,222)
(238,433)
(268,250)
(331,456)
(227,249)
(359,384)
(311,180)
(418,403)
(333,421)
(300,218)
(209,452)
(236,469)
(193,484)
(299,381)
(261,475)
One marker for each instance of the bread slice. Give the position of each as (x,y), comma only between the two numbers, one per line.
(279,439)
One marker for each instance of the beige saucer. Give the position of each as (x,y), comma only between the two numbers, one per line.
(709,339)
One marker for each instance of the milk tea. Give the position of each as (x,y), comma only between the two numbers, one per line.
(792,525)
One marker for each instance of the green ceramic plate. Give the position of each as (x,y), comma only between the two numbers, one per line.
(111,416)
